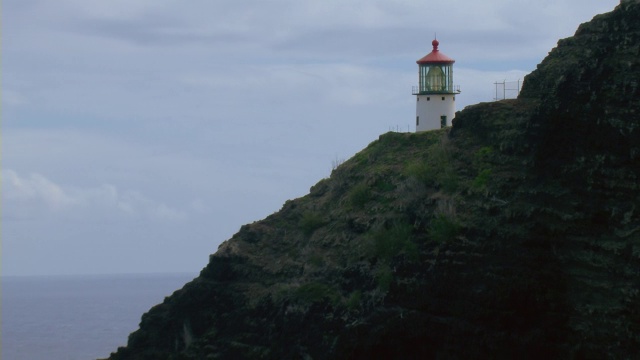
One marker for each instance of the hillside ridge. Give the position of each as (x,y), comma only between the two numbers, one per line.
(513,234)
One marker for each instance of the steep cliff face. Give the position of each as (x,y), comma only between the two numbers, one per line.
(588,136)
(515,234)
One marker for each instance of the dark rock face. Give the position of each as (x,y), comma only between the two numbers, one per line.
(590,91)
(588,139)
(516,234)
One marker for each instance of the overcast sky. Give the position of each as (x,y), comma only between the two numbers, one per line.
(139,135)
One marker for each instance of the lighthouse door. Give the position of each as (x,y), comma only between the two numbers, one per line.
(443,121)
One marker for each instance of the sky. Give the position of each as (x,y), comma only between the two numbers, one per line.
(139,135)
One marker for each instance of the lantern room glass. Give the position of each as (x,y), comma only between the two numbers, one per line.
(435,78)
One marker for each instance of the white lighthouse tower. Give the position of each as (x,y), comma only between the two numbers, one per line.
(436,94)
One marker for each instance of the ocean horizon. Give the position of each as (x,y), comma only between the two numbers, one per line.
(69,317)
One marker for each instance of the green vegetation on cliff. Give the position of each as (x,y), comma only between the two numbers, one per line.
(514,234)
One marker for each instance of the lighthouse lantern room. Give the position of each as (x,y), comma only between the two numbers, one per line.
(436,94)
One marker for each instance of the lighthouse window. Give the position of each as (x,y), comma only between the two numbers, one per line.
(428,98)
(443,98)
(417,120)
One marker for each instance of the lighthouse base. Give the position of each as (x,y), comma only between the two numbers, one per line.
(434,111)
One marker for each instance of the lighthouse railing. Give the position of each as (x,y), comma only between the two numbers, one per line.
(455,89)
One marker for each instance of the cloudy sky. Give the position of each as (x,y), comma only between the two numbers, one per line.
(139,135)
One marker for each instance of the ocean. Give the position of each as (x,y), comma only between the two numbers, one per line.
(76,317)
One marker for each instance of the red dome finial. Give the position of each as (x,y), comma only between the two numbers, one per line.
(435,56)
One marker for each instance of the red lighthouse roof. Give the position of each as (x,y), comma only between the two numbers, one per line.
(435,56)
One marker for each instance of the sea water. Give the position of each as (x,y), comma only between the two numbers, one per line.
(76,317)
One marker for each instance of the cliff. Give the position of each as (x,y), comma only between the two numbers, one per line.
(514,234)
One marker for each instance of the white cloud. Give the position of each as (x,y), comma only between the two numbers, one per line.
(32,194)
(35,188)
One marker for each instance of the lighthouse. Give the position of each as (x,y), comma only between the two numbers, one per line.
(435,93)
